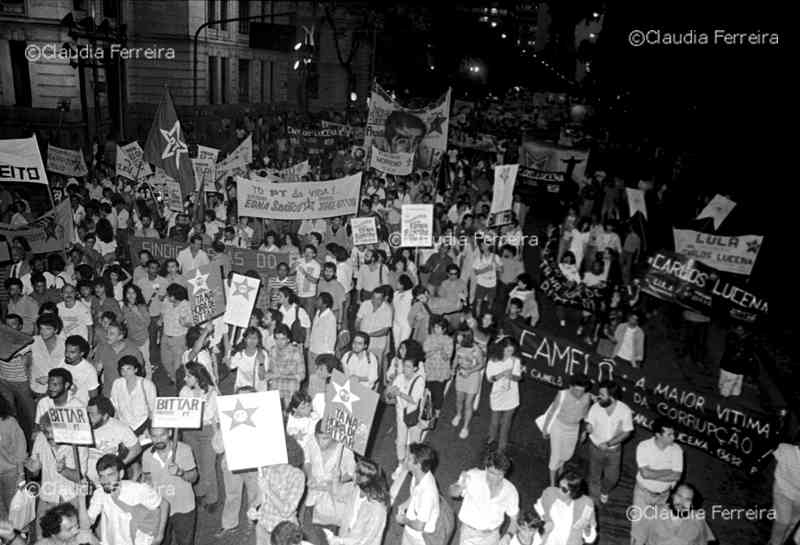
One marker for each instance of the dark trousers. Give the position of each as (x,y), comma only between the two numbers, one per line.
(604,467)
(436,388)
(180,529)
(20,399)
(152,330)
(695,339)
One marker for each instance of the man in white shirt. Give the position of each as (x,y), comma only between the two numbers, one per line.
(660,463)
(609,423)
(420,511)
(84,374)
(488,498)
(360,363)
(75,315)
(375,319)
(308,273)
(193,255)
(485,267)
(110,436)
(323,328)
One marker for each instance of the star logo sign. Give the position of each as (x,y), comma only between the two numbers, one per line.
(436,124)
(241,416)
(344,395)
(199,282)
(175,146)
(753,246)
(242,288)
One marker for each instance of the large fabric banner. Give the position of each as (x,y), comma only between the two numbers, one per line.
(288,201)
(131,163)
(252,430)
(52,232)
(397,164)
(555,285)
(66,161)
(349,412)
(721,427)
(393,128)
(550,164)
(20,161)
(317,140)
(687,282)
(235,164)
(733,254)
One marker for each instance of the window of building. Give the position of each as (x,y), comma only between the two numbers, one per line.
(244,81)
(263,79)
(223,87)
(12,7)
(211,11)
(223,13)
(110,9)
(20,72)
(244,11)
(212,79)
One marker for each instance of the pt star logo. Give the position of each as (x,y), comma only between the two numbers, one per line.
(199,282)
(175,146)
(344,395)
(436,124)
(753,246)
(242,288)
(241,416)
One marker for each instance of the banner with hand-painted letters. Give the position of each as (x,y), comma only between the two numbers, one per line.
(66,161)
(733,254)
(235,164)
(364,231)
(131,163)
(309,200)
(20,161)
(205,168)
(397,164)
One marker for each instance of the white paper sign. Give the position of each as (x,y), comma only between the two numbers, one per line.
(252,430)
(364,231)
(71,425)
(178,412)
(416,226)
(241,298)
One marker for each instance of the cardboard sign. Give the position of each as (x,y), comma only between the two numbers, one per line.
(416,226)
(66,161)
(205,168)
(291,201)
(252,430)
(174,198)
(206,293)
(71,425)
(349,412)
(178,412)
(131,163)
(242,295)
(733,254)
(364,231)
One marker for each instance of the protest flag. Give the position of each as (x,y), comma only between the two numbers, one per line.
(717,209)
(166,147)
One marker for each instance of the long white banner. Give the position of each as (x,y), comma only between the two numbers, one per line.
(734,254)
(293,201)
(20,161)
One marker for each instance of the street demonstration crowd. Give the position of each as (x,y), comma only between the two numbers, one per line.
(408,323)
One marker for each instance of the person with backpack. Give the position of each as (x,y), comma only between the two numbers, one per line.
(408,389)
(359,363)
(294,316)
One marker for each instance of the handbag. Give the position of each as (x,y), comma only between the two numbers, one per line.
(22,510)
(541,419)
(411,419)
(445,525)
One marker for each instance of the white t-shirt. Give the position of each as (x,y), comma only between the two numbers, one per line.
(649,455)
(626,346)
(84,377)
(480,509)
(246,374)
(106,441)
(115,524)
(77,319)
(46,403)
(305,287)
(605,426)
(505,392)
(486,279)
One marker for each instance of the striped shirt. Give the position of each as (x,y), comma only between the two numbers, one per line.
(15,369)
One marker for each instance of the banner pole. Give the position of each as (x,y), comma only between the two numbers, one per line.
(175,442)
(77,461)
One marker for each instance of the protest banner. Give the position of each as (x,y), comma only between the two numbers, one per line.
(393,128)
(397,164)
(252,430)
(538,179)
(364,231)
(416,225)
(310,200)
(204,166)
(505,177)
(131,163)
(719,426)
(550,164)
(636,202)
(51,232)
(21,161)
(66,161)
(235,164)
(317,140)
(71,426)
(291,174)
(687,282)
(206,294)
(178,412)
(555,285)
(241,298)
(733,254)
(349,412)
(717,209)
(350,131)
(174,198)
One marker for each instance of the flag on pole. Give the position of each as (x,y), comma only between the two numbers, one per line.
(717,209)
(636,202)
(166,147)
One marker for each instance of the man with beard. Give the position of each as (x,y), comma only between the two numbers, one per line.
(59,394)
(110,436)
(680,522)
(608,424)
(329,284)
(133,513)
(169,467)
(84,374)
(371,274)
(404,132)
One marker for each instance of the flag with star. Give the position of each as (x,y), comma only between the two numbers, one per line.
(166,146)
(252,430)
(242,294)
(205,292)
(717,209)
(349,412)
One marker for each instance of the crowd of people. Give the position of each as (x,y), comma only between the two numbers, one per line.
(112,332)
